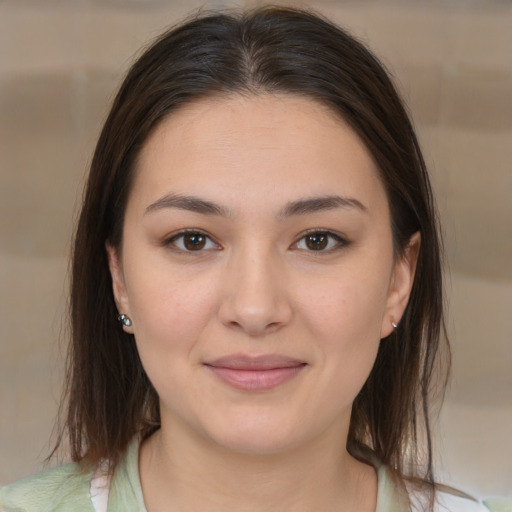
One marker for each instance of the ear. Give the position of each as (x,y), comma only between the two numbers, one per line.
(401,285)
(118,285)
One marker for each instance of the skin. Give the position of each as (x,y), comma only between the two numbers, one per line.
(257,286)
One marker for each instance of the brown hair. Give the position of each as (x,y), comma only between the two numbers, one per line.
(276,50)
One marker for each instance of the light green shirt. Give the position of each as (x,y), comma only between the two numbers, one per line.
(68,488)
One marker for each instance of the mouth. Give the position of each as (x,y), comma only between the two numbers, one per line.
(259,373)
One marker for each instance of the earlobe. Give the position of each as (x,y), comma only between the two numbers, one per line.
(118,285)
(401,285)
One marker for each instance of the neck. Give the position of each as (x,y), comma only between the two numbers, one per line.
(198,475)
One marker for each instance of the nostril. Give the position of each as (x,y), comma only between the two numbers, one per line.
(255,300)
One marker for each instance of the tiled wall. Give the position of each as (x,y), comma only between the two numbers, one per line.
(60,62)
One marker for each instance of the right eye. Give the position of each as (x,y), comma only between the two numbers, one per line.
(191,241)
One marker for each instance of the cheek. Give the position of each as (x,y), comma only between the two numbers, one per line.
(346,308)
(168,311)
(345,319)
(169,317)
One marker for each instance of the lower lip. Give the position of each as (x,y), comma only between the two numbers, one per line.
(256,380)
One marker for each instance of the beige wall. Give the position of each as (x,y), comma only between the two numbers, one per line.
(59,64)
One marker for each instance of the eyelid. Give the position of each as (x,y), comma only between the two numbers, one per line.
(169,240)
(340,239)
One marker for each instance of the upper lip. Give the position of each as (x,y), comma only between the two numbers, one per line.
(262,362)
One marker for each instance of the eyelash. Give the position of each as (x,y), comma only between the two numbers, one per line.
(170,241)
(340,241)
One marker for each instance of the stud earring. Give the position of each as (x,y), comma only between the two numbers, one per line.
(124,320)
(392,323)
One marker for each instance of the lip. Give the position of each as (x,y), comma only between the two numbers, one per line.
(255,373)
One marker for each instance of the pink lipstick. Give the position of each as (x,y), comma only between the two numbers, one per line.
(259,373)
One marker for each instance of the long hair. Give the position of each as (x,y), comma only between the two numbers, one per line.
(268,50)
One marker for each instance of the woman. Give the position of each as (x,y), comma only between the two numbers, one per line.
(256,300)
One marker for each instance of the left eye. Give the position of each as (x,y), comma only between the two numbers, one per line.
(320,241)
(192,241)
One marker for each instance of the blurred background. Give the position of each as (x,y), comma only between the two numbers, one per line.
(60,64)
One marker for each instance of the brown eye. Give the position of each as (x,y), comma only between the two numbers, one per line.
(194,241)
(321,241)
(191,241)
(317,242)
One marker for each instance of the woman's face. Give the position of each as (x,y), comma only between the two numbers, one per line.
(257,268)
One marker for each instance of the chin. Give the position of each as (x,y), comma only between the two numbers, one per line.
(257,437)
(256,446)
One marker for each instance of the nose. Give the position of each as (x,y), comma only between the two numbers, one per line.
(255,299)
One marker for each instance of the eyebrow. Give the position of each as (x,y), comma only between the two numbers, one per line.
(303,206)
(317,204)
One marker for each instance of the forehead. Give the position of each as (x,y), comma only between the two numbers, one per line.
(258,148)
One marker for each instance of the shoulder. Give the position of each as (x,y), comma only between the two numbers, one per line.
(63,488)
(499,504)
(447,499)
(447,502)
